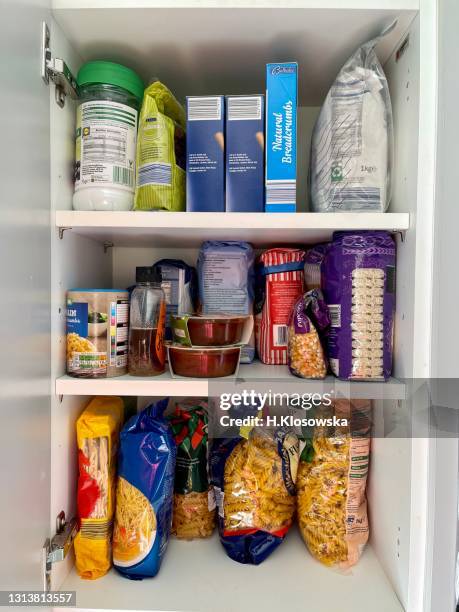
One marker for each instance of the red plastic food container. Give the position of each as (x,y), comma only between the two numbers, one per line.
(217,330)
(204,362)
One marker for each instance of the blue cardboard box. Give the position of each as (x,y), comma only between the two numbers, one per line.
(205,162)
(244,153)
(281,111)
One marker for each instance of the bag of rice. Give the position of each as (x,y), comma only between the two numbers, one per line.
(308,320)
(144,493)
(98,430)
(331,482)
(254,485)
(280,282)
(194,502)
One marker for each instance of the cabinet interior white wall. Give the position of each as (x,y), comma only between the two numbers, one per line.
(222,47)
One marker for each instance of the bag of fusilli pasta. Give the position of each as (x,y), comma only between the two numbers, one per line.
(331,482)
(254,485)
(144,493)
(194,502)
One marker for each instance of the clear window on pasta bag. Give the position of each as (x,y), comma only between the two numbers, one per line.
(254,482)
(194,502)
(331,483)
(308,323)
(97,438)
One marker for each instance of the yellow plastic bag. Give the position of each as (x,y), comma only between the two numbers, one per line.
(160,161)
(98,430)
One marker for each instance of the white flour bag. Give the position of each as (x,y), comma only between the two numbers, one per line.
(352,142)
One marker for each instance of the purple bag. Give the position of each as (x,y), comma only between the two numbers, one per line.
(358,281)
(308,322)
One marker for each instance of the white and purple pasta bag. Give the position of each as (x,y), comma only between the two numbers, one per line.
(352,143)
(358,280)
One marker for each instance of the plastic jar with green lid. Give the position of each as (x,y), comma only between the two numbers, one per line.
(106,133)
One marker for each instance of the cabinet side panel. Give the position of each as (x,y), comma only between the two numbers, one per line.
(25,320)
(76,262)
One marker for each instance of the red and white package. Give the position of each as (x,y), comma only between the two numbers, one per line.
(280,281)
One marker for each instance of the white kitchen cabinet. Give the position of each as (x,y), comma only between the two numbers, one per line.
(197,47)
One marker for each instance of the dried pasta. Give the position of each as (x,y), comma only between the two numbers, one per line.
(97,436)
(135,523)
(331,502)
(254,482)
(144,493)
(192,517)
(194,503)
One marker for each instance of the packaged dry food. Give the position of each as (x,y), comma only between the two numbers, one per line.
(226,282)
(358,280)
(312,265)
(331,500)
(97,431)
(160,160)
(194,502)
(280,281)
(204,362)
(254,486)
(144,493)
(97,332)
(308,320)
(180,285)
(352,142)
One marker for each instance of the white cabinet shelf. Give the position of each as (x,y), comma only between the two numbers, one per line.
(184,229)
(256,376)
(290,575)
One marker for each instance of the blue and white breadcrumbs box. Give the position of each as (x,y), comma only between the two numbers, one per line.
(244,153)
(205,161)
(281,110)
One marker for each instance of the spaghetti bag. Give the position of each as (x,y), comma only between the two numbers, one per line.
(144,493)
(254,485)
(279,283)
(306,357)
(160,161)
(97,430)
(331,500)
(194,503)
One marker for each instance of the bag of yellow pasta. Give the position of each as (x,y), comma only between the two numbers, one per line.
(332,475)
(194,502)
(144,493)
(98,430)
(254,485)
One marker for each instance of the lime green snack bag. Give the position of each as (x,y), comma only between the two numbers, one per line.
(160,160)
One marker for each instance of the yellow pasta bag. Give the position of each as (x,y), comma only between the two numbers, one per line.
(98,430)
(254,486)
(331,482)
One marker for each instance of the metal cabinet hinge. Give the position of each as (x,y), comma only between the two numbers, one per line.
(57,70)
(56,548)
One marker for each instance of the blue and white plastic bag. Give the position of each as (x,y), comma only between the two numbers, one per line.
(144,493)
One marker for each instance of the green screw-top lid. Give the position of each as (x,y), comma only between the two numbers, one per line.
(112,74)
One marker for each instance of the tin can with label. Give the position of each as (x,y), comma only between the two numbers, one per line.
(97,332)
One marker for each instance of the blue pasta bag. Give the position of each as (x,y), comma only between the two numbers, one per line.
(144,493)
(254,486)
